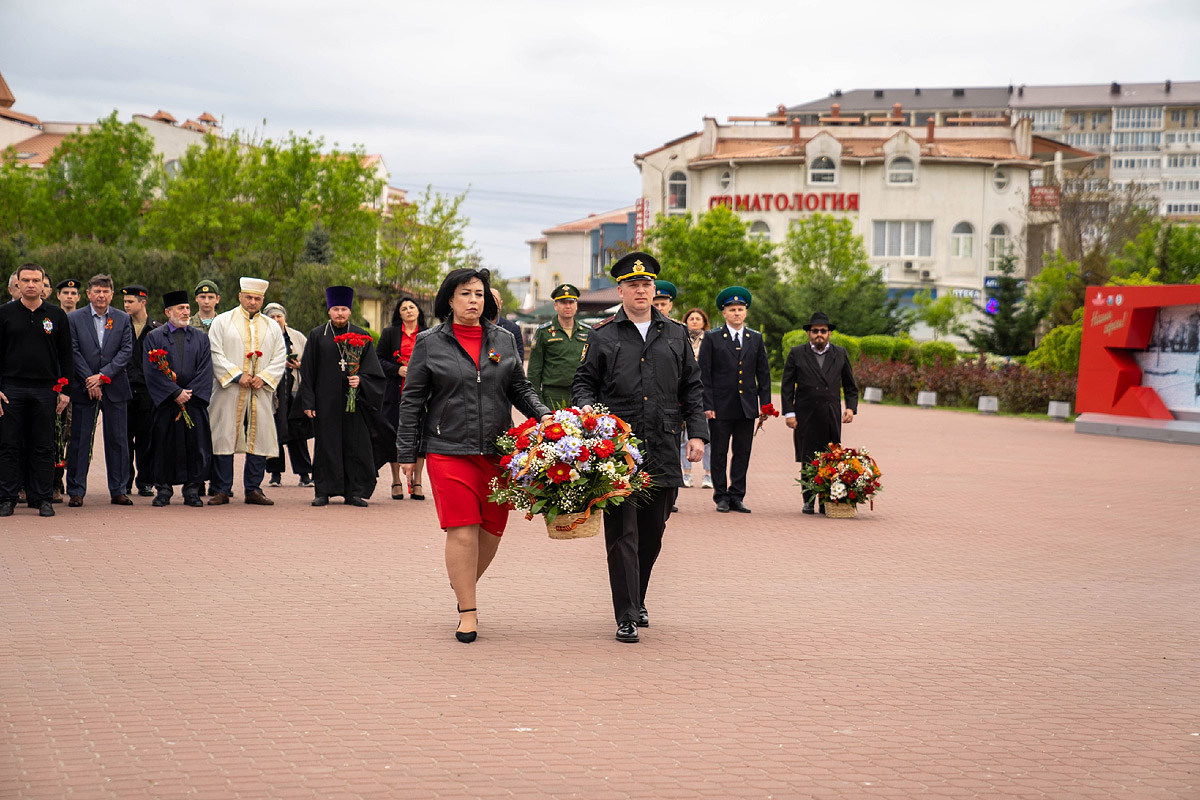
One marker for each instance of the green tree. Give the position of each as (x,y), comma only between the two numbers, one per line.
(97,184)
(828,271)
(1162,252)
(17,189)
(419,243)
(702,255)
(1009,331)
(942,315)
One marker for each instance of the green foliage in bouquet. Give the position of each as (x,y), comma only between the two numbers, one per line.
(841,475)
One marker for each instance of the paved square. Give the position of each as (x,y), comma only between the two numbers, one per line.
(1018,617)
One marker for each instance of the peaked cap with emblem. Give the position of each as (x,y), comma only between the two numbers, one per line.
(69,283)
(136,290)
(665,289)
(635,266)
(206,286)
(564,291)
(734,294)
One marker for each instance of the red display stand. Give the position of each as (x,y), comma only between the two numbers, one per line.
(1118,321)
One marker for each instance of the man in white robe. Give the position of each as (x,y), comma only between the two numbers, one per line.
(248,357)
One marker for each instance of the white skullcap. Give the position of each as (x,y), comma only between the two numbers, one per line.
(254,285)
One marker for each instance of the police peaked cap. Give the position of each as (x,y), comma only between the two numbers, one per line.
(665,289)
(69,283)
(635,266)
(564,291)
(734,294)
(137,290)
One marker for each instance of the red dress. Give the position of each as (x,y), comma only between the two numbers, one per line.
(460,483)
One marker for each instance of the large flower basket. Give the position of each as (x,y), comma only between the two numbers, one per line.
(574,526)
(569,469)
(840,511)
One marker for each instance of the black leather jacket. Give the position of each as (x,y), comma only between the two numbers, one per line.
(451,407)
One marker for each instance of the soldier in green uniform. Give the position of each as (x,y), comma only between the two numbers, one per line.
(557,349)
(665,293)
(207,297)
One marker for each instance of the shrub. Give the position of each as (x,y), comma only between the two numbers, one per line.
(1059,350)
(938,352)
(793,338)
(850,343)
(1024,390)
(960,384)
(897,380)
(877,346)
(906,350)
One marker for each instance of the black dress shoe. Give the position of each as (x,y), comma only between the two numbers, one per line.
(46,509)
(321,500)
(161,500)
(643,620)
(6,508)
(193,500)
(736,505)
(627,632)
(358,502)
(723,506)
(145,490)
(808,508)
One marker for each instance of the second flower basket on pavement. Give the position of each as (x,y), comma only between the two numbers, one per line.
(568,469)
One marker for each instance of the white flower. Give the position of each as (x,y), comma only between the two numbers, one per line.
(838,490)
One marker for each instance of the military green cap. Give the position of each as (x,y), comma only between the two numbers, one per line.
(206,286)
(564,291)
(665,289)
(733,294)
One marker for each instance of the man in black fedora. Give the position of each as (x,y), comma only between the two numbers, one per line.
(814,377)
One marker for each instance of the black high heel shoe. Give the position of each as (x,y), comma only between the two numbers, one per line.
(469,636)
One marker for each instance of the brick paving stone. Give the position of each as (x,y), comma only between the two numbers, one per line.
(1015,618)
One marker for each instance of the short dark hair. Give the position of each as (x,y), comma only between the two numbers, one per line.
(100,279)
(29,265)
(441,304)
(396,320)
(703,315)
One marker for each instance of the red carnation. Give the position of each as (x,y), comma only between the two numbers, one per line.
(527,424)
(506,460)
(584,455)
(554,432)
(396,354)
(522,442)
(589,423)
(513,432)
(559,473)
(105,380)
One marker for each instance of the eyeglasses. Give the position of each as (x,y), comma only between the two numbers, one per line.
(818,330)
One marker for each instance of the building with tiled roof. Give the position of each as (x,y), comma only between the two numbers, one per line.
(1143,133)
(577,252)
(938,206)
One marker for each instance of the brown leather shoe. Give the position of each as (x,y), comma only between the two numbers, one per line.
(255,497)
(75,502)
(219,499)
(57,497)
(121,500)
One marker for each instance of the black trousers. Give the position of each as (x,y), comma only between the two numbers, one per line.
(27,443)
(298,452)
(633,533)
(722,432)
(139,425)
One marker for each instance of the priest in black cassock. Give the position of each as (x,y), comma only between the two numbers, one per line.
(349,446)
(179,454)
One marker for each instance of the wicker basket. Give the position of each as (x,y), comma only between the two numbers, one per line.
(574,526)
(840,511)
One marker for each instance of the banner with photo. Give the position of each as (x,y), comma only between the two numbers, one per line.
(1171,363)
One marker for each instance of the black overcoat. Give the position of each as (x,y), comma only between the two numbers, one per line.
(813,394)
(737,383)
(653,385)
(179,454)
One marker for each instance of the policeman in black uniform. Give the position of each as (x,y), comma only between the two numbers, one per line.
(640,365)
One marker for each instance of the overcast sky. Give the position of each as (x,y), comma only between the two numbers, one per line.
(539,107)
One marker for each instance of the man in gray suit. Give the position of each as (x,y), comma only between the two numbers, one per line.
(103,345)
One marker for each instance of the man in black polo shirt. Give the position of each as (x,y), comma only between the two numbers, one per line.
(35,357)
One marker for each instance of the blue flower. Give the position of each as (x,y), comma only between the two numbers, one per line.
(634,453)
(568,448)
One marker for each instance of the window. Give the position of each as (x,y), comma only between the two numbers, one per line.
(1183,208)
(1140,140)
(1180,162)
(901,170)
(556,279)
(1000,180)
(822,171)
(962,240)
(726,180)
(537,290)
(543,252)
(998,246)
(1077,118)
(1138,118)
(172,168)
(677,191)
(1085,140)
(902,238)
(760,229)
(1044,120)
(1184,137)
(1099,119)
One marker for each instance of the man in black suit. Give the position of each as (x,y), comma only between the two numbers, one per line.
(814,377)
(140,411)
(737,385)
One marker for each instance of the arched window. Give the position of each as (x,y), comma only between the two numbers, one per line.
(760,229)
(677,192)
(822,170)
(172,168)
(999,246)
(901,170)
(962,240)
(537,290)
(556,279)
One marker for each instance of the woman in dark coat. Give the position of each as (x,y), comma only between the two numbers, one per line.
(394,350)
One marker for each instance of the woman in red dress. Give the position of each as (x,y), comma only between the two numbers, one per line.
(394,350)
(463,378)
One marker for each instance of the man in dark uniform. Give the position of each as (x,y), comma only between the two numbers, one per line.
(737,385)
(665,293)
(208,297)
(36,356)
(557,347)
(68,299)
(640,365)
(814,377)
(181,453)
(141,409)
(68,294)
